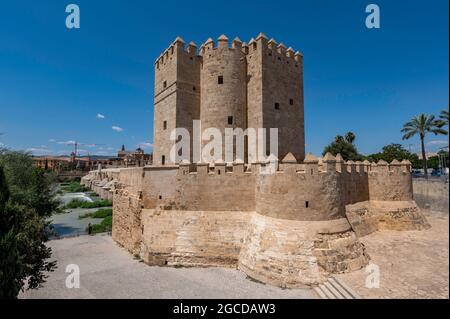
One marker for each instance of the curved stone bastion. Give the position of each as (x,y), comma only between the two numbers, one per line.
(288,224)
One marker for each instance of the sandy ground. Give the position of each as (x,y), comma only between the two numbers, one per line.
(412,264)
(108,271)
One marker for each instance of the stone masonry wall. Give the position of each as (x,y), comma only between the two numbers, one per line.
(192,238)
(290,253)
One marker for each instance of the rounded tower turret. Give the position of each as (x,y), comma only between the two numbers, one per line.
(223,86)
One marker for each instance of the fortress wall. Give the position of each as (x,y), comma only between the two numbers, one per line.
(390,205)
(160,186)
(354,183)
(127,206)
(390,183)
(207,189)
(293,253)
(131,177)
(192,238)
(302,195)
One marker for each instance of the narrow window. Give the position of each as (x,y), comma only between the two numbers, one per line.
(254,45)
(194,88)
(230,120)
(277,106)
(306,204)
(220,79)
(160,197)
(291,102)
(165,125)
(164,84)
(163,160)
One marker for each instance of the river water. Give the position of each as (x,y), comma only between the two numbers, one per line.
(68,224)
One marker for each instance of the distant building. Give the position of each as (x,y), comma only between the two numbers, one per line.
(86,163)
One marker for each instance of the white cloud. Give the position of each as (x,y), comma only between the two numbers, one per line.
(100,116)
(66,142)
(437,142)
(52,140)
(38,150)
(145,145)
(117,128)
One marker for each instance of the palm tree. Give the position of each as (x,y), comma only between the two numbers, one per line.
(444,116)
(350,137)
(423,124)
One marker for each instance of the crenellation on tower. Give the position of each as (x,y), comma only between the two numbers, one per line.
(231,85)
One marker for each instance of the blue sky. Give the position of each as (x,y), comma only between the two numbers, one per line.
(54,81)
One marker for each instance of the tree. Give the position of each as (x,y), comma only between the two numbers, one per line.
(350,137)
(342,145)
(26,202)
(444,116)
(421,125)
(435,162)
(395,151)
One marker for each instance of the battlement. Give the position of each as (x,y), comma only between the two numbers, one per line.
(279,52)
(177,46)
(310,167)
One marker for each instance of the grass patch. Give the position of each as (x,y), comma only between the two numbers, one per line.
(92,194)
(104,226)
(74,187)
(77,203)
(100,213)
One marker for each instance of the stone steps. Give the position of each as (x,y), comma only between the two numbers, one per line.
(335,288)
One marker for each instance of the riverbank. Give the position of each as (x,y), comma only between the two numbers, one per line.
(69,223)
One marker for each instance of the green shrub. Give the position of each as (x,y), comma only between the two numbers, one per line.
(74,187)
(100,213)
(104,226)
(77,203)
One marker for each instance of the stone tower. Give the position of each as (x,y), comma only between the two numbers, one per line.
(177,96)
(254,85)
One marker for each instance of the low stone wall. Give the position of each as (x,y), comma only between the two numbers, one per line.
(369,216)
(431,194)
